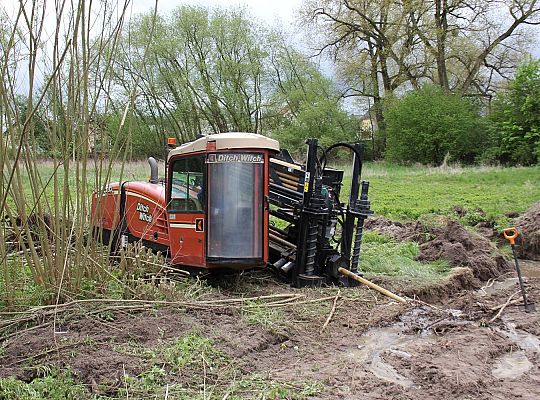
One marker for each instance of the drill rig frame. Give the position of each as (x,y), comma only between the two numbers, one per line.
(306,197)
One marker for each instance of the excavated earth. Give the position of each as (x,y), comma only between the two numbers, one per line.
(372,348)
(449,241)
(528,226)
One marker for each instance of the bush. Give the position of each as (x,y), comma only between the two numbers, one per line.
(427,124)
(515,122)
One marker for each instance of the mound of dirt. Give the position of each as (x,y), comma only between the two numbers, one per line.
(450,242)
(528,226)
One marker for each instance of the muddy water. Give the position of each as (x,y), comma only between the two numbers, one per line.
(511,365)
(530,269)
(523,339)
(393,339)
(499,285)
(377,341)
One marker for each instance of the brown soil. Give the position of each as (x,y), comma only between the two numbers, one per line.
(436,354)
(528,225)
(451,242)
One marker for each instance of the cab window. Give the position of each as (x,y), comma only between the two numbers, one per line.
(187,185)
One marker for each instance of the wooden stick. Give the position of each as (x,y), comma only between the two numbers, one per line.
(515,301)
(379,289)
(503,307)
(332,311)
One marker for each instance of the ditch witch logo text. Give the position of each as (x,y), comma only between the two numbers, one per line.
(235,158)
(143,210)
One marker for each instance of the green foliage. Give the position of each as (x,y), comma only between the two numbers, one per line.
(188,355)
(202,73)
(257,386)
(304,103)
(515,129)
(211,71)
(37,126)
(193,349)
(52,386)
(427,124)
(256,313)
(203,369)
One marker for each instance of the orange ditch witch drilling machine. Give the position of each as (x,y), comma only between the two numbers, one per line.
(212,211)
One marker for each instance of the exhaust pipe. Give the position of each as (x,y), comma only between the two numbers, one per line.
(153,170)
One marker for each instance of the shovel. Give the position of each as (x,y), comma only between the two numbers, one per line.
(511,234)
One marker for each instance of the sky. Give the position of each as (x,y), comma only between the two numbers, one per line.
(266,10)
(271,12)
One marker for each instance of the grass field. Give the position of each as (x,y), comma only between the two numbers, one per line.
(400,193)
(409,193)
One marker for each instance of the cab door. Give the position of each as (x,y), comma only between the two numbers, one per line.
(186,209)
(235,208)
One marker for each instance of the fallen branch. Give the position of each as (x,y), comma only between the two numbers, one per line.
(370,284)
(515,301)
(503,307)
(332,311)
(75,308)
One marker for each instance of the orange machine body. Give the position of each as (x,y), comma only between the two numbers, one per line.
(210,212)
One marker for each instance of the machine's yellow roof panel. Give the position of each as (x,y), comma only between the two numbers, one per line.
(229,140)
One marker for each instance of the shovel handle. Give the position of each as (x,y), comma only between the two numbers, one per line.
(511,234)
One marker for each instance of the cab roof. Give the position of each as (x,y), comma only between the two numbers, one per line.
(229,140)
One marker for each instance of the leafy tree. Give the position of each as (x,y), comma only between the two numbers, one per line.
(515,129)
(304,103)
(203,72)
(211,71)
(427,124)
(387,46)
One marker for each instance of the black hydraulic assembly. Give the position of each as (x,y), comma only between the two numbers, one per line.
(318,233)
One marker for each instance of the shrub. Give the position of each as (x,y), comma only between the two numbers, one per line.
(515,122)
(427,124)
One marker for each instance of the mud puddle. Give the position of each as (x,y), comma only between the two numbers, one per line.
(418,328)
(413,327)
(497,286)
(513,365)
(529,268)
(378,341)
(524,340)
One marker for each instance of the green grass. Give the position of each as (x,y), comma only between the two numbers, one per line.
(133,171)
(256,313)
(383,256)
(52,385)
(210,372)
(410,192)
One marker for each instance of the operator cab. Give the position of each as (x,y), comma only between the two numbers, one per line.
(217,201)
